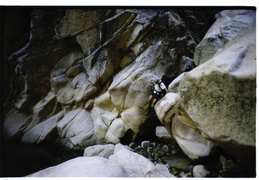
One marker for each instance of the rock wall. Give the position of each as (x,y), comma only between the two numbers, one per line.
(83,77)
(215,102)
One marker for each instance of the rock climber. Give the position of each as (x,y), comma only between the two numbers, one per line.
(157,90)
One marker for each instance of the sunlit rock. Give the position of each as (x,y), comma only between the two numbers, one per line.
(83,167)
(191,142)
(76,129)
(99,150)
(218,98)
(229,24)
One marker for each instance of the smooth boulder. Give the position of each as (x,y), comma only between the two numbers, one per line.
(218,98)
(83,167)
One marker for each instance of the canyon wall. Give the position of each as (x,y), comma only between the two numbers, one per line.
(84,76)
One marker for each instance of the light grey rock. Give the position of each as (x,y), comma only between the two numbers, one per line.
(165,148)
(44,131)
(45,108)
(229,24)
(83,167)
(78,90)
(77,128)
(218,98)
(193,144)
(200,171)
(99,150)
(107,55)
(123,163)
(162,133)
(165,104)
(136,165)
(145,144)
(174,85)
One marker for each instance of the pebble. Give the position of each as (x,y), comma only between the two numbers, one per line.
(145,144)
(171,155)
(165,148)
(200,171)
(158,153)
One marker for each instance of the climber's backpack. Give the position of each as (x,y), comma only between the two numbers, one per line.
(166,80)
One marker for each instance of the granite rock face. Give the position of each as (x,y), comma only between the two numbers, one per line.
(229,24)
(217,99)
(83,77)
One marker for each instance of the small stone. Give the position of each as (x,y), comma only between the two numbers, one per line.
(104,151)
(200,171)
(163,134)
(145,144)
(165,148)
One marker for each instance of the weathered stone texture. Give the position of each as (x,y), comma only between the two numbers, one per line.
(217,99)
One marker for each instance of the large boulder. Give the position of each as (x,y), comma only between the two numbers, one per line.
(100,150)
(218,98)
(83,167)
(193,144)
(123,163)
(216,101)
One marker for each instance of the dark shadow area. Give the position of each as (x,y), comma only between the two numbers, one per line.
(23,159)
